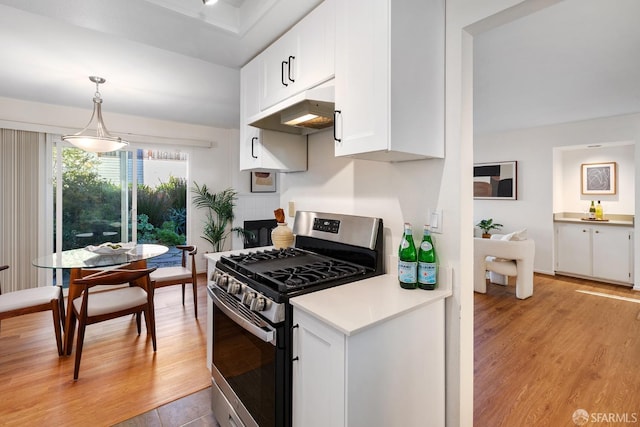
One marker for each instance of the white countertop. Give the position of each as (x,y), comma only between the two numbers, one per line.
(624,220)
(356,306)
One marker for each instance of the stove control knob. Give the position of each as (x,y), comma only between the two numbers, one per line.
(234,287)
(223,281)
(258,304)
(248,297)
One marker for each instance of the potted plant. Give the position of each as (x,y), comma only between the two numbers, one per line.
(219,214)
(486,225)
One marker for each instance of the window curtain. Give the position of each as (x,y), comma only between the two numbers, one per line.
(20,205)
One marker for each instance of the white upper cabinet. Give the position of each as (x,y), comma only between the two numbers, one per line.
(262,149)
(300,59)
(389,79)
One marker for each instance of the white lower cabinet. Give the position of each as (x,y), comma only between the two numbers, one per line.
(389,374)
(603,252)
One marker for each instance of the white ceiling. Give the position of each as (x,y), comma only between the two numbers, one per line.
(169,59)
(575,60)
(178,59)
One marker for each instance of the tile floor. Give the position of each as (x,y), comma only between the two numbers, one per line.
(193,411)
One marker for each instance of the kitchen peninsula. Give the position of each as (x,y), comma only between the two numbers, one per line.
(370,351)
(365,353)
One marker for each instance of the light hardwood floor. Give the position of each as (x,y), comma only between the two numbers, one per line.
(120,376)
(536,361)
(539,360)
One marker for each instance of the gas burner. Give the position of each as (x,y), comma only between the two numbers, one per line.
(311,274)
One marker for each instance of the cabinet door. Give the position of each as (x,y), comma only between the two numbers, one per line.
(300,59)
(612,253)
(279,65)
(362,76)
(315,63)
(318,373)
(574,249)
(261,149)
(250,89)
(249,106)
(250,148)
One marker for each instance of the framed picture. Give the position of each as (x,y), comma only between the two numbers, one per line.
(599,178)
(263,182)
(498,181)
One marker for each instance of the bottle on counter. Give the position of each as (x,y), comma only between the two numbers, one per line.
(427,265)
(592,211)
(599,211)
(407,260)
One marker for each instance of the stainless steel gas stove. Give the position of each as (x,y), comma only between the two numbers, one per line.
(252,317)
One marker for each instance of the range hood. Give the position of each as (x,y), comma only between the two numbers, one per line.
(307,112)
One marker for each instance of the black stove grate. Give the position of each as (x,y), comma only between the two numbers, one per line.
(292,269)
(311,274)
(264,255)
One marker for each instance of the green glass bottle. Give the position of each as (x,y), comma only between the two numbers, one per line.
(407,260)
(592,211)
(427,265)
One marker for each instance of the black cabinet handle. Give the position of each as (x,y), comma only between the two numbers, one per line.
(335,125)
(289,67)
(253,140)
(282,73)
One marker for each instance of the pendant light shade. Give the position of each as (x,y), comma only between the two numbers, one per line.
(95,137)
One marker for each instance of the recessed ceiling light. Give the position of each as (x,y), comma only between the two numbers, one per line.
(209,2)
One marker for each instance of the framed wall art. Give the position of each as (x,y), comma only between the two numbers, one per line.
(497,181)
(598,178)
(263,182)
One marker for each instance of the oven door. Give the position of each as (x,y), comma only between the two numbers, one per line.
(244,358)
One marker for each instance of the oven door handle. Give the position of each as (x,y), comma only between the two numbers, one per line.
(267,336)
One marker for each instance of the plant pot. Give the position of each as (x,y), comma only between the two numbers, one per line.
(486,235)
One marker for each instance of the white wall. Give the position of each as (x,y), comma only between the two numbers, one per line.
(568,184)
(211,150)
(539,193)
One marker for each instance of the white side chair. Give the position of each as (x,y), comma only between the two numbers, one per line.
(180,275)
(503,258)
(34,300)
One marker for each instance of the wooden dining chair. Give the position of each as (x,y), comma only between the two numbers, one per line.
(33,300)
(94,307)
(180,275)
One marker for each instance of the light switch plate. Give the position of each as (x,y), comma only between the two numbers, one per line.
(435,221)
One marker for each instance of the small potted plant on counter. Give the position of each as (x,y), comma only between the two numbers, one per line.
(486,225)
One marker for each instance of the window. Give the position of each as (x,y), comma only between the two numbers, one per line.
(97,198)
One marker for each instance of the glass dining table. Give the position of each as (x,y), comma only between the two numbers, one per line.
(82,262)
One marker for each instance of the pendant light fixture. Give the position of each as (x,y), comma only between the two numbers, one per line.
(95,137)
